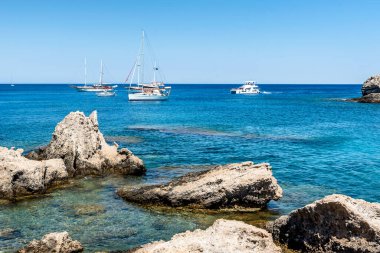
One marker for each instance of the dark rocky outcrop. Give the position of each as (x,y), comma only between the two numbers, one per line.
(336,223)
(371,85)
(78,141)
(20,176)
(53,242)
(223,236)
(236,185)
(370,91)
(370,98)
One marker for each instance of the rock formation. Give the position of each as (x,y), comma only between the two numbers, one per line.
(223,236)
(78,141)
(370,91)
(53,242)
(229,186)
(370,98)
(20,176)
(371,85)
(336,223)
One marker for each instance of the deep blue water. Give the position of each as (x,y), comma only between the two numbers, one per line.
(316,143)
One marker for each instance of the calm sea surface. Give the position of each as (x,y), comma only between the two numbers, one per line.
(316,143)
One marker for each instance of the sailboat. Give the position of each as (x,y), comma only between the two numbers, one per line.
(153,91)
(12,84)
(95,87)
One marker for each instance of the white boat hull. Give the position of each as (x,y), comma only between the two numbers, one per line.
(244,92)
(105,94)
(146,97)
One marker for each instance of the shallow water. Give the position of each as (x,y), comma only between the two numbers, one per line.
(316,143)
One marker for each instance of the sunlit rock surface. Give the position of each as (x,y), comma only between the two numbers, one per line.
(229,186)
(226,236)
(53,242)
(78,141)
(336,223)
(20,176)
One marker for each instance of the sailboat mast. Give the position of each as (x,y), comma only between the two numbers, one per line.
(140,72)
(85,71)
(101,72)
(154,72)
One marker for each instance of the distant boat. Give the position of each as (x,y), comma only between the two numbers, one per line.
(249,87)
(153,91)
(12,84)
(106,93)
(95,87)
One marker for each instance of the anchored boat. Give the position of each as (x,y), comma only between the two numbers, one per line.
(95,87)
(153,91)
(106,93)
(249,87)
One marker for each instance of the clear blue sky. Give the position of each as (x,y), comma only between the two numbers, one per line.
(204,41)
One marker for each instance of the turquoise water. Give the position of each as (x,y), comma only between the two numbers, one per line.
(316,143)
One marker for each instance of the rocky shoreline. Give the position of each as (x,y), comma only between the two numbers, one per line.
(77,149)
(336,223)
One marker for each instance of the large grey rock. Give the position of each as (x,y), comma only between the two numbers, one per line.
(53,242)
(20,176)
(229,186)
(371,85)
(78,141)
(336,223)
(223,236)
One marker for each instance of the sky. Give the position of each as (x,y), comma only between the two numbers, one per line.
(197,41)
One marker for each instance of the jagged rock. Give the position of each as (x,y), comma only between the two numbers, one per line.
(371,85)
(78,141)
(223,236)
(233,185)
(336,223)
(53,242)
(370,91)
(20,176)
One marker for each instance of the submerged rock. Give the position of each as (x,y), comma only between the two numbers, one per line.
(229,186)
(336,223)
(223,236)
(53,242)
(78,141)
(89,210)
(20,176)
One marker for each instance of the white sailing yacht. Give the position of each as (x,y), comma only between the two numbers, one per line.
(95,87)
(153,91)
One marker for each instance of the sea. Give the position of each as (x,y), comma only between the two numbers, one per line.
(316,142)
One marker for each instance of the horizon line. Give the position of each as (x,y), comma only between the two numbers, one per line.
(191,83)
